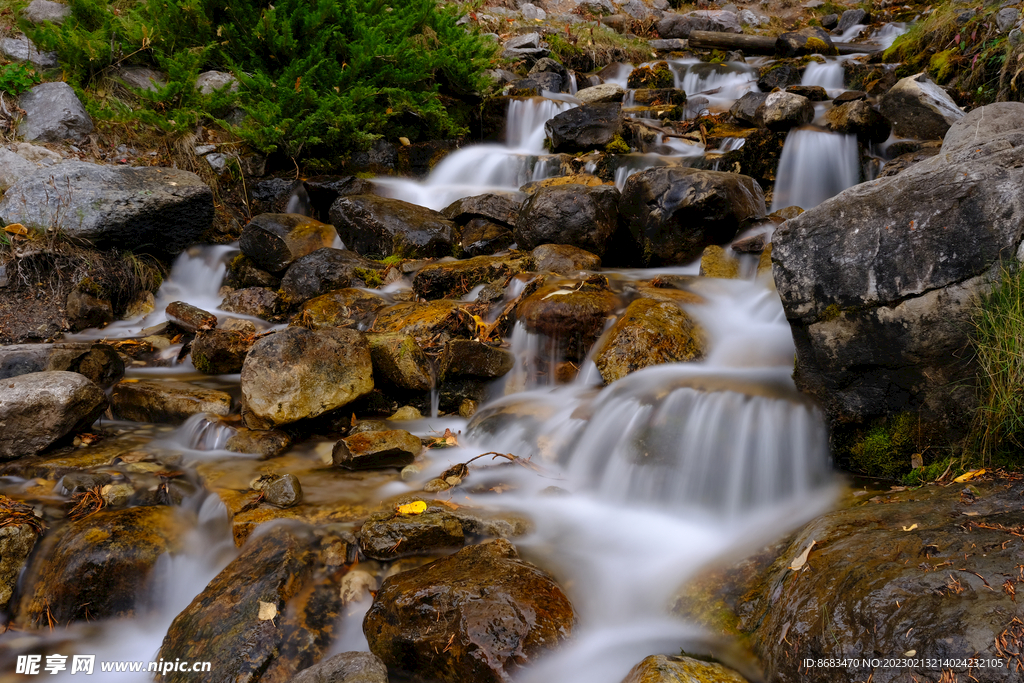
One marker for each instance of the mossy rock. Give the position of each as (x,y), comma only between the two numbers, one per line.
(649,333)
(657,75)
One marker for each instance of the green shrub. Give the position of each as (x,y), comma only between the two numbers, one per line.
(16,78)
(318,78)
(885,449)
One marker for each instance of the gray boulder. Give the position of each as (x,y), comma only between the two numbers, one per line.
(142,78)
(851,18)
(596,94)
(21,49)
(673,25)
(209,82)
(41,408)
(326,270)
(598,7)
(158,210)
(748,108)
(528,45)
(53,113)
(348,667)
(298,373)
(13,167)
(578,215)
(918,108)
(880,282)
(590,126)
(784,110)
(673,213)
(1006,18)
(39,11)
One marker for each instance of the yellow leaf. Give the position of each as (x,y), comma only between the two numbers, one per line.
(967,476)
(799,562)
(16,229)
(911,527)
(268,611)
(414,508)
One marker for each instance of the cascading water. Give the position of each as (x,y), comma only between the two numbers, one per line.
(827,74)
(815,165)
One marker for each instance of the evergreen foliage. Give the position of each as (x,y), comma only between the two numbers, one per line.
(318,77)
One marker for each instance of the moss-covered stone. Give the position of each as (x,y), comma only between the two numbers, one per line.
(454,279)
(717,262)
(657,75)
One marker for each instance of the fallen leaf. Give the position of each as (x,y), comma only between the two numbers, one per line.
(268,611)
(967,476)
(799,562)
(910,653)
(414,508)
(16,229)
(911,527)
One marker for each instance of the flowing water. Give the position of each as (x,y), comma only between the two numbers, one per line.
(637,487)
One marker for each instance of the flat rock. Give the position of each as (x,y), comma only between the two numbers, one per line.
(40,408)
(346,307)
(377,449)
(454,279)
(158,210)
(680,669)
(564,259)
(390,535)
(440,320)
(100,363)
(166,401)
(468,358)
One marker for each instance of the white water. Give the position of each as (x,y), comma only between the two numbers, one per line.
(828,75)
(815,165)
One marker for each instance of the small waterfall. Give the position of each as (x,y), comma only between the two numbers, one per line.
(722,83)
(815,166)
(484,168)
(828,75)
(202,433)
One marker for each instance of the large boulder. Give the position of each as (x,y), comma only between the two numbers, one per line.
(157,210)
(273,241)
(674,25)
(858,118)
(581,216)
(880,282)
(674,212)
(21,49)
(326,270)
(98,362)
(40,408)
(39,11)
(918,108)
(53,113)
(589,126)
(784,110)
(299,373)
(649,333)
(572,318)
(478,615)
(98,567)
(382,226)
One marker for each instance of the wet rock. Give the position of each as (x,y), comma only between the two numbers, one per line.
(850,96)
(325,190)
(491,614)
(550,66)
(440,320)
(84,309)
(190,318)
(858,118)
(586,179)
(535,85)
(454,279)
(599,94)
(79,482)
(269,613)
(780,74)
(657,75)
(220,352)
(100,363)
(377,449)
(267,443)
(716,262)
(589,126)
(40,408)
(748,108)
(98,567)
(39,11)
(851,18)
(829,21)
(648,333)
(284,491)
(481,237)
(499,207)
(807,41)
(348,667)
(583,217)
(242,272)
(389,535)
(918,108)
(347,307)
(814,93)
(948,574)
(659,96)
(166,401)
(680,25)
(784,110)
(259,302)
(680,669)
(882,334)
(466,358)
(17,541)
(381,226)
(328,269)
(297,373)
(21,49)
(398,359)
(157,210)
(273,241)
(673,213)
(564,259)
(573,318)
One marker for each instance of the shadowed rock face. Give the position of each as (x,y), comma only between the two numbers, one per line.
(879,283)
(478,615)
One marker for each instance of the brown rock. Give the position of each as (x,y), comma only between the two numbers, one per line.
(648,333)
(378,449)
(166,401)
(275,240)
